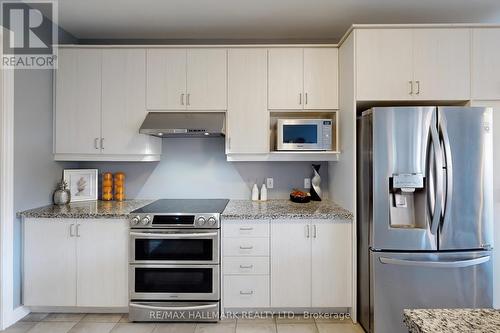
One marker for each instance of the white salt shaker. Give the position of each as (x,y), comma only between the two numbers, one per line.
(255,193)
(263,193)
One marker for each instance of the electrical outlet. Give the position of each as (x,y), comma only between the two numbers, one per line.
(307,182)
(269,182)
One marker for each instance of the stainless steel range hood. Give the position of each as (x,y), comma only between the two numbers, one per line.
(184,124)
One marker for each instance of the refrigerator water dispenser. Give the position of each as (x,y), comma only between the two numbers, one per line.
(408,201)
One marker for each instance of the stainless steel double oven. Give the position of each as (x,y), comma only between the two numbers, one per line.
(174,272)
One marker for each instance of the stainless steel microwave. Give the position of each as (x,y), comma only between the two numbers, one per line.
(304,134)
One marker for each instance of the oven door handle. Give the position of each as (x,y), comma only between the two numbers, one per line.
(186,235)
(173,308)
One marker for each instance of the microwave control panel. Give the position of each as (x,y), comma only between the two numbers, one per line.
(327,135)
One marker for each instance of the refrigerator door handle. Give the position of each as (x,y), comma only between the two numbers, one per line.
(436,264)
(449,168)
(438,162)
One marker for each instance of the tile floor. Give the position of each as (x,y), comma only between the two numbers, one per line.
(118,323)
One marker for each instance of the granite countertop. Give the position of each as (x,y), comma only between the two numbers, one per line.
(286,209)
(452,320)
(86,209)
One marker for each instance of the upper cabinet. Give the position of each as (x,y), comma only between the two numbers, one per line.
(413,64)
(486,63)
(303,78)
(100,105)
(247,115)
(192,79)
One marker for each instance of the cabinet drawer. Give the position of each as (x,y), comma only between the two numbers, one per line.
(246,265)
(246,291)
(246,247)
(246,229)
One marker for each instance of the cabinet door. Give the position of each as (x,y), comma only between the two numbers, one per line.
(442,64)
(384,64)
(78,101)
(102,252)
(285,75)
(290,264)
(166,79)
(207,79)
(247,114)
(486,63)
(321,78)
(49,277)
(331,264)
(124,103)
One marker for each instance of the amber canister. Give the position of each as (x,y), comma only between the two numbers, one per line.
(107,186)
(119,182)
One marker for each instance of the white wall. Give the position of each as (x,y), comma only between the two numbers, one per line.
(197,168)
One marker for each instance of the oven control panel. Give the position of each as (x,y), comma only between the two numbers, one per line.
(209,221)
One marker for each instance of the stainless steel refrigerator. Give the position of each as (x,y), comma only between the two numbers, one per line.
(425,212)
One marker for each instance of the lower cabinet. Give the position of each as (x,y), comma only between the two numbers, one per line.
(75,262)
(294,263)
(312,258)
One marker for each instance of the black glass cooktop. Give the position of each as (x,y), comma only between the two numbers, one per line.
(184,206)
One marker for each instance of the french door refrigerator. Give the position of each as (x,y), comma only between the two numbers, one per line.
(425,212)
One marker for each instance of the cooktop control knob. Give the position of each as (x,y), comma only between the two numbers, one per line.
(212,220)
(201,220)
(146,219)
(135,220)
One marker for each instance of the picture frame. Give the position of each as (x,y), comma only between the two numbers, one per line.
(82,183)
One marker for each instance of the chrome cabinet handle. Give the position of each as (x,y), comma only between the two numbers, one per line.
(300,98)
(71,230)
(182,99)
(307,231)
(96,143)
(246,228)
(246,292)
(418,87)
(306,98)
(188,99)
(411,88)
(102,143)
(314,231)
(246,247)
(77,230)
(246,266)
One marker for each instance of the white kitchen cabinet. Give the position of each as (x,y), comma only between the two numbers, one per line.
(206,79)
(100,106)
(246,291)
(102,257)
(123,103)
(413,64)
(285,78)
(384,64)
(247,114)
(75,262)
(49,277)
(166,79)
(312,258)
(486,63)
(321,78)
(186,79)
(441,64)
(290,263)
(78,101)
(331,264)
(303,78)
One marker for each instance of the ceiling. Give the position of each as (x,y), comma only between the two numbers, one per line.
(307,20)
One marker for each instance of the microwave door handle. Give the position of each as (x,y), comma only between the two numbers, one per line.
(173,308)
(438,163)
(180,235)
